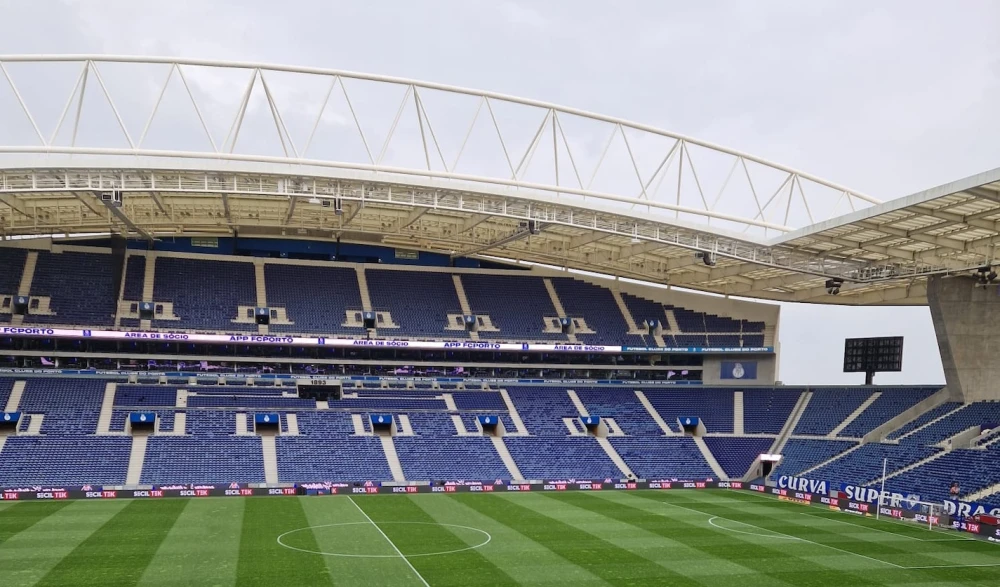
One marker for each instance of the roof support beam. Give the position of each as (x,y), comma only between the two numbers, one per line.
(14,205)
(346,219)
(225,206)
(940,241)
(412,217)
(586,239)
(156,200)
(116,212)
(472,222)
(638,249)
(292,200)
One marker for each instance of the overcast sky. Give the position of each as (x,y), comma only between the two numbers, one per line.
(888,98)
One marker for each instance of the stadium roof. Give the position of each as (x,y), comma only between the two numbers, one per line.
(214,148)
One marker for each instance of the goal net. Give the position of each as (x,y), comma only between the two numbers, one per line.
(922,512)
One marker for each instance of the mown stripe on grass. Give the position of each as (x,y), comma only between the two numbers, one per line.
(338,526)
(27,556)
(771,558)
(23,515)
(202,547)
(413,531)
(910,553)
(600,557)
(526,561)
(261,560)
(118,552)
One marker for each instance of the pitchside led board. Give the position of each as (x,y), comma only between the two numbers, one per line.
(873,355)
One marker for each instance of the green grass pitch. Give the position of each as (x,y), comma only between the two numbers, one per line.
(642,538)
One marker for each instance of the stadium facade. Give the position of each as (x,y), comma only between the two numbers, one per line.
(176,291)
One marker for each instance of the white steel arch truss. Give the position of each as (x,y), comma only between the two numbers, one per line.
(216,147)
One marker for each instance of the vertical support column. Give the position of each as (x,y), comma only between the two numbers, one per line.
(967,323)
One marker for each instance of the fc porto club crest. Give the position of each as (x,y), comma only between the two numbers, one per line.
(738,371)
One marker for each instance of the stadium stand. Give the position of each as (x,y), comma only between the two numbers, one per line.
(561,458)
(765,411)
(864,465)
(735,455)
(319,307)
(79,286)
(517,305)
(206,294)
(802,454)
(891,403)
(663,458)
(829,407)
(418,301)
(924,419)
(596,305)
(974,414)
(713,406)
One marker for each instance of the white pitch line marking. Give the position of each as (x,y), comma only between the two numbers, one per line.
(391,543)
(787,535)
(864,527)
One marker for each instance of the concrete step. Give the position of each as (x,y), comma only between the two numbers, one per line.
(557,304)
(107,407)
(828,461)
(24,288)
(738,412)
(931,423)
(149,277)
(710,458)
(984,492)
(654,414)
(14,400)
(582,409)
(521,429)
(615,457)
(392,458)
(672,322)
(860,410)
(463,301)
(242,428)
(136,459)
(270,450)
(260,283)
(366,300)
(791,423)
(907,416)
(508,461)
(633,328)
(292,424)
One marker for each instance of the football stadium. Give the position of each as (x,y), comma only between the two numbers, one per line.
(359,329)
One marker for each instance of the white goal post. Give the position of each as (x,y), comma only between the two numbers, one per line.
(930,510)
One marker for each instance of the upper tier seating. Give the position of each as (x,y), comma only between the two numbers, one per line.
(315,298)
(206,294)
(829,407)
(597,306)
(70,406)
(135,275)
(765,411)
(890,404)
(516,304)
(418,301)
(925,418)
(80,287)
(975,414)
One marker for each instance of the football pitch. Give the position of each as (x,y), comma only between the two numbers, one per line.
(674,538)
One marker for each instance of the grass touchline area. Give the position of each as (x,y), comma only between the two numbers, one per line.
(641,538)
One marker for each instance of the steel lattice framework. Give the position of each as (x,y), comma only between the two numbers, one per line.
(213,148)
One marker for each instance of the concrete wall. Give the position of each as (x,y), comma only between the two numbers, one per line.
(967,323)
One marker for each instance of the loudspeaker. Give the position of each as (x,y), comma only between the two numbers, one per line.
(369,319)
(21,305)
(146,311)
(262,316)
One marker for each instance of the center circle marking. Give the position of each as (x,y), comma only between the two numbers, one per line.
(323,553)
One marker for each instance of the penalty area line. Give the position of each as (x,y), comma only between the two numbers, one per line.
(391,543)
